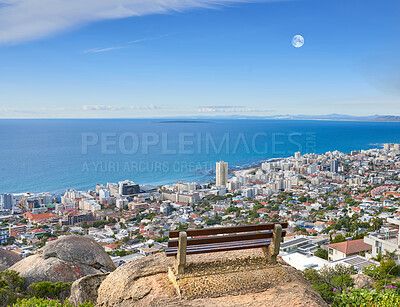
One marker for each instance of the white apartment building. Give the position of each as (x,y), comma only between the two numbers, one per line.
(221,173)
(89,205)
(387,240)
(71,196)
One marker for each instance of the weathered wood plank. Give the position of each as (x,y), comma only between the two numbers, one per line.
(221,244)
(226,238)
(180,260)
(272,251)
(226,230)
(200,249)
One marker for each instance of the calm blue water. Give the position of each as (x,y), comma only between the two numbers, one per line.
(52,155)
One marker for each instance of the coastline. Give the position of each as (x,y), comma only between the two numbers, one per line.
(61,167)
(202,179)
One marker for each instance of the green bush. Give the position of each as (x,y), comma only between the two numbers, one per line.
(321,253)
(10,286)
(384,273)
(47,289)
(366,298)
(42,302)
(328,279)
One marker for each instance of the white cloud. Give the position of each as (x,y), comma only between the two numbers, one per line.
(98,50)
(22,20)
(137,41)
(118,108)
(149,107)
(228,109)
(102,108)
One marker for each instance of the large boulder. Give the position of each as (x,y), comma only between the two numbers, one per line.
(85,289)
(66,259)
(362,281)
(144,282)
(8,258)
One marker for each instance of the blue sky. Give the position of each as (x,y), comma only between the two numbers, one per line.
(153,58)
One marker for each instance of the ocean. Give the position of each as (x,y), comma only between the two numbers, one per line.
(51,155)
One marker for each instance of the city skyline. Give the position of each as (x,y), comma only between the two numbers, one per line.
(144,59)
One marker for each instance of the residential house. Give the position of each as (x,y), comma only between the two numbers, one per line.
(345,249)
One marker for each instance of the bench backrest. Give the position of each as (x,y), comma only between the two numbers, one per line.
(226,234)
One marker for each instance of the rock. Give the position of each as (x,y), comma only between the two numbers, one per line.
(362,281)
(122,285)
(85,289)
(66,259)
(144,282)
(8,258)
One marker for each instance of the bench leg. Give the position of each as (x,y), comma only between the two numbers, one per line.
(180,258)
(272,250)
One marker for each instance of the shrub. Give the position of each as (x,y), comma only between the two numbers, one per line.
(42,302)
(10,285)
(11,279)
(47,289)
(328,279)
(383,273)
(321,253)
(366,298)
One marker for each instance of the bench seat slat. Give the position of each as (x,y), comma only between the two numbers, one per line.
(226,238)
(193,247)
(226,230)
(220,248)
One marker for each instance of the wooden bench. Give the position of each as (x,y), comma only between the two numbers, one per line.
(219,239)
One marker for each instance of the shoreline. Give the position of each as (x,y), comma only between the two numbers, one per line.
(232,170)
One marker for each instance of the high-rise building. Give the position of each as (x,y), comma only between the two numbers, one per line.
(334,166)
(6,202)
(128,188)
(387,146)
(221,173)
(287,184)
(297,155)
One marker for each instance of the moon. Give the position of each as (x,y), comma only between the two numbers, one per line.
(298,41)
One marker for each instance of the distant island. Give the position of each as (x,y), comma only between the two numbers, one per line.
(333,117)
(372,118)
(340,117)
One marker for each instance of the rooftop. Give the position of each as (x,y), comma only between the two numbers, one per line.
(351,247)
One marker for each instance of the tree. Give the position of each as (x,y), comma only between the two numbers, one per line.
(11,279)
(303,231)
(10,285)
(302,199)
(387,271)
(360,235)
(321,253)
(210,222)
(328,280)
(339,238)
(11,240)
(47,289)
